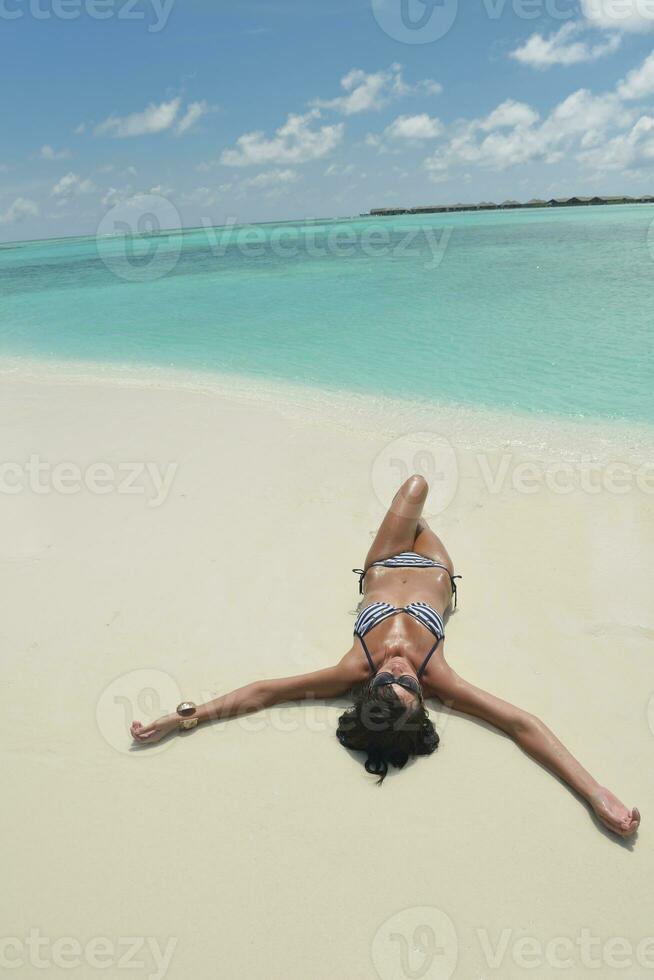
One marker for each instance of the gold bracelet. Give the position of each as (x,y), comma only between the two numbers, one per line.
(186,710)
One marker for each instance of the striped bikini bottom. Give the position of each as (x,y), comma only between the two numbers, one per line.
(407,559)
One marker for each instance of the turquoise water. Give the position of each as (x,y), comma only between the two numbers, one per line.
(548,312)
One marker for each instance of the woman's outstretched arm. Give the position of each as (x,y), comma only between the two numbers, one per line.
(326,683)
(536,739)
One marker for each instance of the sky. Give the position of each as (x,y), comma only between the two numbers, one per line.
(261,110)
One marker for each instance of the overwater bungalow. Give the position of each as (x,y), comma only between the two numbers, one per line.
(429,209)
(563,202)
(535,202)
(617,200)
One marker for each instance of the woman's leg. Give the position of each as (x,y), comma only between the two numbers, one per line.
(398,530)
(428,543)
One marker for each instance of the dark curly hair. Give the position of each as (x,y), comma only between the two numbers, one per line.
(387,729)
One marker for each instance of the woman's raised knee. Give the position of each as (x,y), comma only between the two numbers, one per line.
(416,487)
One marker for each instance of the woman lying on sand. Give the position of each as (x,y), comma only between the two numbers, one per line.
(396,662)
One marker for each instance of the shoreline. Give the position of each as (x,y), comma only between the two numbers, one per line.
(469,427)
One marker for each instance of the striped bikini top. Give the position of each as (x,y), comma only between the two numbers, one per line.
(377,612)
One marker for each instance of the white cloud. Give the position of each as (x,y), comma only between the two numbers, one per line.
(115,195)
(624,150)
(582,112)
(560,49)
(271,178)
(428,86)
(514,134)
(206,197)
(21,208)
(109,168)
(48,152)
(639,83)
(405,130)
(153,119)
(71,184)
(294,142)
(620,15)
(420,127)
(509,114)
(339,170)
(194,111)
(270,183)
(81,128)
(365,92)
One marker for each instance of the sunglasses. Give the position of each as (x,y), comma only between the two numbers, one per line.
(406,681)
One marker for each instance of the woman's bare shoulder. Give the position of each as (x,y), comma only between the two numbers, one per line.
(353,665)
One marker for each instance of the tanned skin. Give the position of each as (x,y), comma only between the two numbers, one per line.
(398,645)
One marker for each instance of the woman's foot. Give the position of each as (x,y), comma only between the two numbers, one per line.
(614,814)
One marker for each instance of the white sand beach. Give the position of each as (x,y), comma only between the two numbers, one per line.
(139,574)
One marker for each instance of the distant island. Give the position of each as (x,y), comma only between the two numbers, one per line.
(554,202)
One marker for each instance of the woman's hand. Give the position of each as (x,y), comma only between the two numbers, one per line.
(145,734)
(614,814)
